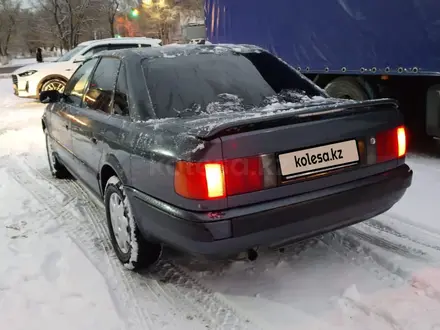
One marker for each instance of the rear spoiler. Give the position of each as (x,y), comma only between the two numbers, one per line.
(293,117)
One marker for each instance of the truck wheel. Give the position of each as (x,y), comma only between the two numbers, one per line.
(432,124)
(347,88)
(57,169)
(130,247)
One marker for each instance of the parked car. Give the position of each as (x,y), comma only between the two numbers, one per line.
(28,81)
(199,41)
(219,149)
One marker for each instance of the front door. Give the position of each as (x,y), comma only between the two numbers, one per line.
(60,133)
(65,116)
(93,129)
(61,117)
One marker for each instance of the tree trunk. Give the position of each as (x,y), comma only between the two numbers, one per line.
(112,27)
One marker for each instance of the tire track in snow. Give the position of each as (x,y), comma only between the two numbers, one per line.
(351,249)
(388,245)
(355,250)
(374,235)
(122,292)
(380,223)
(382,250)
(416,236)
(165,279)
(145,282)
(382,315)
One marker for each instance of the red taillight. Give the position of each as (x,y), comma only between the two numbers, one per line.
(244,175)
(219,179)
(401,141)
(200,180)
(215,180)
(390,144)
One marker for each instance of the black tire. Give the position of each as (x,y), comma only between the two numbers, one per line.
(347,88)
(140,252)
(57,169)
(51,83)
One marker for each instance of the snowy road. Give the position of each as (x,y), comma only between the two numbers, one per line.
(58,270)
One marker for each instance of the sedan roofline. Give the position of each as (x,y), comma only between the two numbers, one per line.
(172,50)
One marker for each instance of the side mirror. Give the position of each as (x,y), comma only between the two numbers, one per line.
(51,96)
(79,59)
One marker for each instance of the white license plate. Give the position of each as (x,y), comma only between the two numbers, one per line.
(319,159)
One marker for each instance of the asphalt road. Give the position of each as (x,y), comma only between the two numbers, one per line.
(9,69)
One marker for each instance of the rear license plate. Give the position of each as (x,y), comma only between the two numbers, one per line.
(319,159)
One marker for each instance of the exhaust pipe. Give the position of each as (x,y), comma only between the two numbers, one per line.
(252,254)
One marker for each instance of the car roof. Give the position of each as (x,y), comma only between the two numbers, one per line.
(175,50)
(124,40)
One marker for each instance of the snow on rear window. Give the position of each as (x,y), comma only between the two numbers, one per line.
(185,86)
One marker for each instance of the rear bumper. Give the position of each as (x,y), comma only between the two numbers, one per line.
(293,218)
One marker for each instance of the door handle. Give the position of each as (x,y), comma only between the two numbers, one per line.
(94,140)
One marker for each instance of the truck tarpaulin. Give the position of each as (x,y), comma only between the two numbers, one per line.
(330,35)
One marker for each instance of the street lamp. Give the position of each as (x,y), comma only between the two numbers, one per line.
(134,13)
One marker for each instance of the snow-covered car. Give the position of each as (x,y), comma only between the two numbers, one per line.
(30,80)
(199,41)
(219,149)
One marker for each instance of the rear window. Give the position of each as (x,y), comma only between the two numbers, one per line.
(185,86)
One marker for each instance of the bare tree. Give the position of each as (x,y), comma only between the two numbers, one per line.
(65,23)
(26,37)
(111,9)
(160,15)
(9,11)
(69,18)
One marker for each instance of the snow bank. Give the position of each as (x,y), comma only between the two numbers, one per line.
(26,61)
(45,280)
(425,190)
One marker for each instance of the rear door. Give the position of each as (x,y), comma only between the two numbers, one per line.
(92,132)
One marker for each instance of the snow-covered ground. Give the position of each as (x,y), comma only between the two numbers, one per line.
(58,270)
(26,61)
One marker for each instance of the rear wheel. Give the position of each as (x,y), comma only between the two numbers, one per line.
(347,88)
(130,247)
(57,169)
(56,84)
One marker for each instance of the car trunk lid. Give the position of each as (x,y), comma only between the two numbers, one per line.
(294,150)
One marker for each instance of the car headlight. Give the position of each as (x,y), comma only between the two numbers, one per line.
(27,73)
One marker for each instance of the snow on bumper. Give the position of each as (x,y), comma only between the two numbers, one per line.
(289,219)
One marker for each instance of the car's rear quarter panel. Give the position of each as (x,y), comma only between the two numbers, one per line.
(154,155)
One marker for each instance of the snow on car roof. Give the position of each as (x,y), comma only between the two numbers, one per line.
(175,50)
(120,41)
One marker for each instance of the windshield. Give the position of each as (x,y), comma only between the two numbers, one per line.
(207,83)
(70,54)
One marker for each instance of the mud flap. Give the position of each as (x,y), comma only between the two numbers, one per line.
(433,111)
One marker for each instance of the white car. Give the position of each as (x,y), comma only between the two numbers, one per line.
(30,80)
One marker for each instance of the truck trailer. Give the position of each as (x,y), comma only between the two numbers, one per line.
(353,49)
